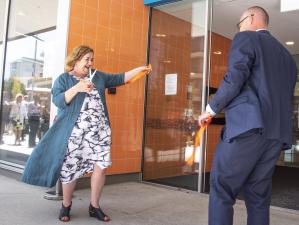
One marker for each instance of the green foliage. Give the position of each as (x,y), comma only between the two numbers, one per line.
(13,86)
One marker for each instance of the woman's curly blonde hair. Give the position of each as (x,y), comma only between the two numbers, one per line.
(76,55)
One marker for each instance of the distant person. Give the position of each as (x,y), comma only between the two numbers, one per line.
(17,115)
(34,116)
(6,107)
(26,125)
(257,96)
(45,121)
(79,140)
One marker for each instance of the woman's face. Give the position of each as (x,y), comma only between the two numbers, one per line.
(19,99)
(82,66)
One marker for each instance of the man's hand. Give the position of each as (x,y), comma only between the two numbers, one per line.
(204,118)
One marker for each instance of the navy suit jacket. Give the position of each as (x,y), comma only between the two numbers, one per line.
(257,90)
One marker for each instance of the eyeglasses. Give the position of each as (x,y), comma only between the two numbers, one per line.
(239,24)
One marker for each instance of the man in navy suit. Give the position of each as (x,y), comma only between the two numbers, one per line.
(256,94)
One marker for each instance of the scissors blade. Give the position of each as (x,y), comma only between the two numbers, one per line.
(91,75)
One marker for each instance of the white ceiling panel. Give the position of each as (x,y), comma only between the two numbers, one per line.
(283,25)
(28,16)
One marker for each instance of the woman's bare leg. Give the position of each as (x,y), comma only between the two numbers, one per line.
(18,136)
(97,183)
(68,190)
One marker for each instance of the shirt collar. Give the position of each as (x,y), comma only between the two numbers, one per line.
(261,30)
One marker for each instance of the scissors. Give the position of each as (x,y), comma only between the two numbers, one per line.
(91,75)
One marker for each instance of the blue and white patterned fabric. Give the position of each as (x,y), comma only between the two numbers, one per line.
(89,142)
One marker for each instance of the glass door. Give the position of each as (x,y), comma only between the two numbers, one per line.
(174,94)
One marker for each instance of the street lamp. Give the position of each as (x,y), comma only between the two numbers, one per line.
(34,59)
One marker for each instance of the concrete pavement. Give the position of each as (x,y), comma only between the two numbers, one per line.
(126,203)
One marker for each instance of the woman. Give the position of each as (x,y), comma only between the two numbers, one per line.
(17,116)
(79,140)
(34,116)
(45,121)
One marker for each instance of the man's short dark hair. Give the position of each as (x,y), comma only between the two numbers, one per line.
(263,11)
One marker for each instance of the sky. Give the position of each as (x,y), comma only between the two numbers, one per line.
(25,47)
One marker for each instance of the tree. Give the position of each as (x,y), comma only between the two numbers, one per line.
(13,86)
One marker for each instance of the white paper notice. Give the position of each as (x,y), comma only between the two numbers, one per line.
(171,84)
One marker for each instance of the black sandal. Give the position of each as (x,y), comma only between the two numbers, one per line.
(98,213)
(64,214)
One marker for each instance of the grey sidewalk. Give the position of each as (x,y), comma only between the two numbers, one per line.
(126,203)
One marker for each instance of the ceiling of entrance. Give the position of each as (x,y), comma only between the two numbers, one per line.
(28,16)
(284,26)
(226,13)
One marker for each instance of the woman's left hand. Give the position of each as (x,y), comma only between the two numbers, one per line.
(146,69)
(132,73)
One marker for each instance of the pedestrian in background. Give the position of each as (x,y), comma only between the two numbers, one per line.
(17,116)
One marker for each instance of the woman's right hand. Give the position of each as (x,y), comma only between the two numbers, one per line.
(84,86)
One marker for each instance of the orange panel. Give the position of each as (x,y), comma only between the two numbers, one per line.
(92,4)
(103,19)
(76,26)
(80,2)
(77,11)
(89,30)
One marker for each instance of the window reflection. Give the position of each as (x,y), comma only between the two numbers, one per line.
(27,80)
(290,157)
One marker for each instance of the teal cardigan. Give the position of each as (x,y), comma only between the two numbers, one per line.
(44,164)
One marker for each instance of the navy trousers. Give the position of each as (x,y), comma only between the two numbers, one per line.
(246,163)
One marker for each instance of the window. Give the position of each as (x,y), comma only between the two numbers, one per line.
(27,79)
